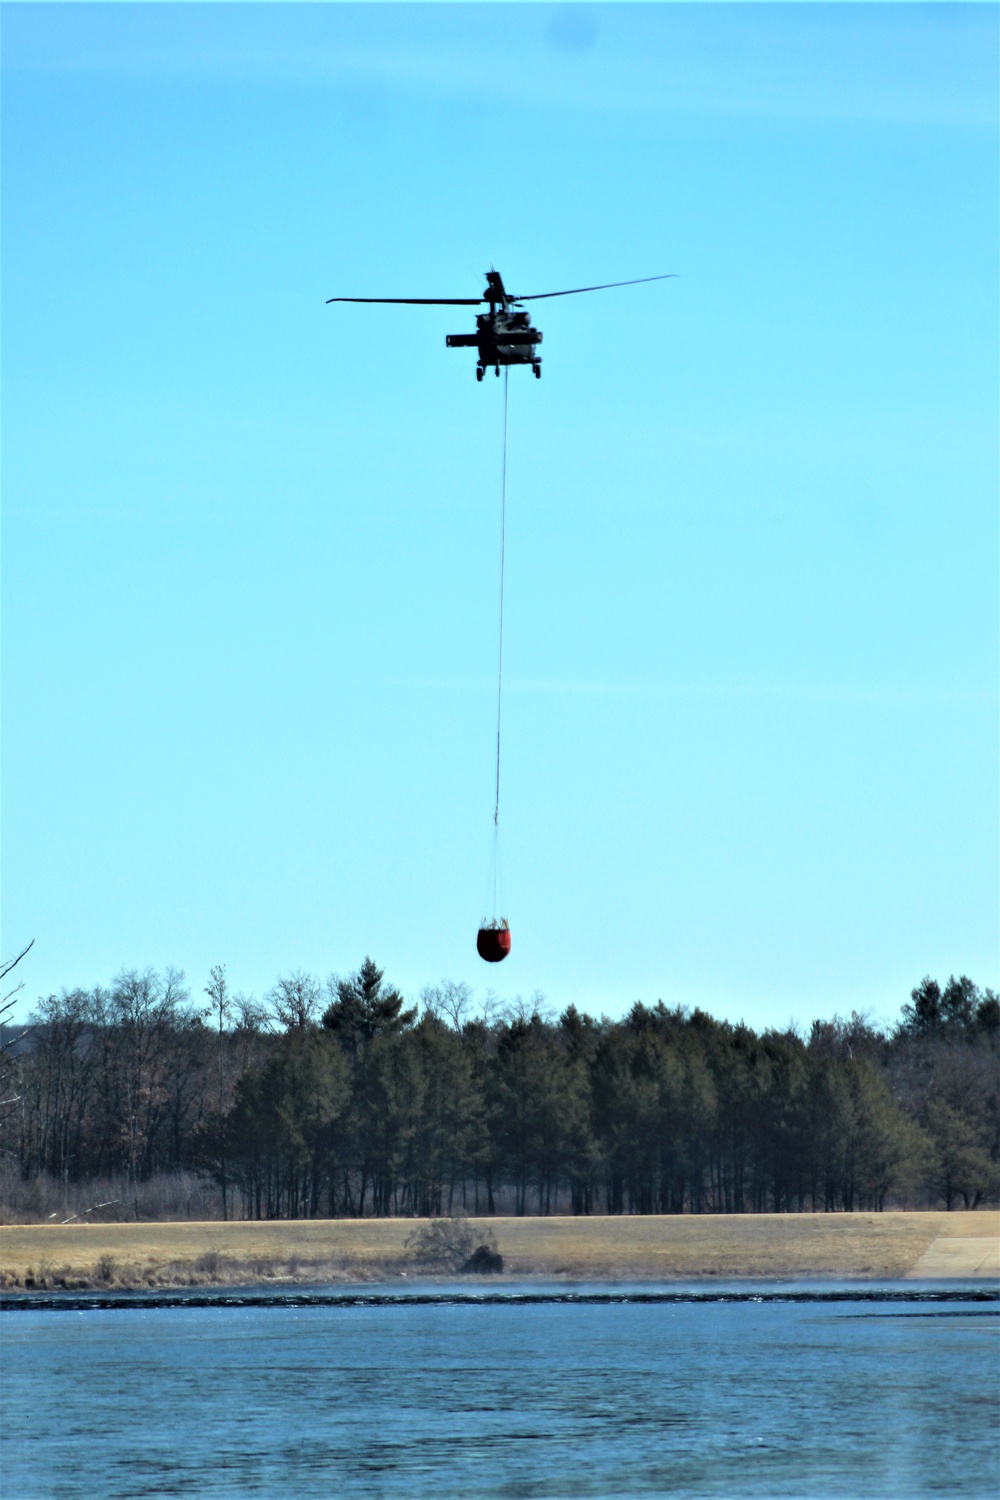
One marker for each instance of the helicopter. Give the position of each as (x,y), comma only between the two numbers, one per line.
(504,335)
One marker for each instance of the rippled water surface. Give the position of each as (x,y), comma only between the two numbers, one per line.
(416,1398)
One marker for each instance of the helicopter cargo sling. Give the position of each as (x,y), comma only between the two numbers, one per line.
(504,336)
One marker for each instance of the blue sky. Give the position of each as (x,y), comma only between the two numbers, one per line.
(250,541)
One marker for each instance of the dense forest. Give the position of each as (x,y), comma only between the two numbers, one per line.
(340,1099)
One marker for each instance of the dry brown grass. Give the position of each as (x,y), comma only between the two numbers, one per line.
(772,1246)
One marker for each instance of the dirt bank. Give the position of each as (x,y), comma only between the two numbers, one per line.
(771,1246)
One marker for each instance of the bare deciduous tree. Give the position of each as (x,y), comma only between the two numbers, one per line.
(217,991)
(295,999)
(8,1044)
(450,1001)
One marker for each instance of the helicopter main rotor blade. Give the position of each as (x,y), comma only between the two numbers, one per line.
(538,296)
(415,301)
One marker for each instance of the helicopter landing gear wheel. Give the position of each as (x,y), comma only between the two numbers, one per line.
(537,369)
(496,371)
(480,372)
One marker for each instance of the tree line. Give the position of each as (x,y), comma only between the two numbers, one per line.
(341,1099)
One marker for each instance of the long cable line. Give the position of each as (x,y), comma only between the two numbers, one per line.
(503,530)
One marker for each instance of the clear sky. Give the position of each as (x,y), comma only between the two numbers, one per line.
(251,541)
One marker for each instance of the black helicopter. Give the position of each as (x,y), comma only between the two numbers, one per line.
(504,335)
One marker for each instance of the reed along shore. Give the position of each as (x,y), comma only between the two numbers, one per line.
(653,1248)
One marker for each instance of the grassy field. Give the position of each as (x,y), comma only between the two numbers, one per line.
(774,1246)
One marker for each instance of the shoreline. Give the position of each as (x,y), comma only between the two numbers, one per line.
(931,1245)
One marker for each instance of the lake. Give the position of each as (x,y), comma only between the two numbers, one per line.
(739,1390)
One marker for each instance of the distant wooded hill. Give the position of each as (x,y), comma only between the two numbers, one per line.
(341,1100)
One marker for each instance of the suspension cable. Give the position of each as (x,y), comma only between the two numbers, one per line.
(503,529)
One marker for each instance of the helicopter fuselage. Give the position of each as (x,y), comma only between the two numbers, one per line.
(503,337)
